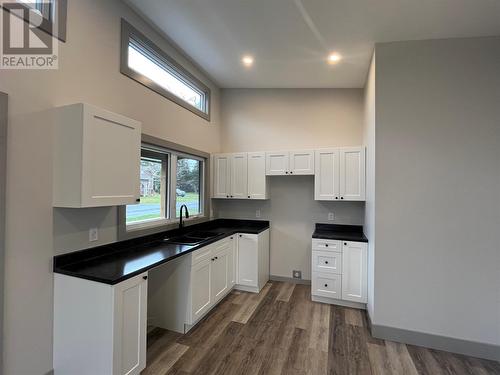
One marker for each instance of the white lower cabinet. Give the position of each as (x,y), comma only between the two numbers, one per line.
(253,261)
(201,296)
(184,290)
(354,277)
(99,328)
(339,272)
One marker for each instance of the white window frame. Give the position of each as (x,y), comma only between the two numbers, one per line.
(161,58)
(150,226)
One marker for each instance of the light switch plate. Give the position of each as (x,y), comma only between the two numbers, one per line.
(331,217)
(257,213)
(93,234)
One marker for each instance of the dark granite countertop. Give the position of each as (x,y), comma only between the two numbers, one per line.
(113,263)
(340,232)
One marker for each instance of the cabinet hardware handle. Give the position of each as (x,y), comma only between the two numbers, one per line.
(212,259)
(216,258)
(227,196)
(341,197)
(345,243)
(138,200)
(231,238)
(145,277)
(326,285)
(336,197)
(286,172)
(326,262)
(249,196)
(326,245)
(291,172)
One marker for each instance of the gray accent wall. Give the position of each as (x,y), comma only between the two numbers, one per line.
(292,212)
(437,259)
(288,119)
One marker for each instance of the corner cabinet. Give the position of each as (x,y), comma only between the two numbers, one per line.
(239,176)
(96,157)
(339,272)
(340,174)
(100,328)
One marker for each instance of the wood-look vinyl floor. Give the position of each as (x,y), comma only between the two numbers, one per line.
(280,331)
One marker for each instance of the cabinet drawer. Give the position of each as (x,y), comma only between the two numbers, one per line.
(200,255)
(326,285)
(327,261)
(327,245)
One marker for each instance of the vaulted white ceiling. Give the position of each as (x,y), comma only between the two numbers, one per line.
(290,39)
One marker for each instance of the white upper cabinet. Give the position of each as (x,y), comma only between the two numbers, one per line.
(222,176)
(340,174)
(355,269)
(239,176)
(326,178)
(290,163)
(257,186)
(277,163)
(96,157)
(301,162)
(352,174)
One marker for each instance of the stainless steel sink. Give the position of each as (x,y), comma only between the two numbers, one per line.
(192,238)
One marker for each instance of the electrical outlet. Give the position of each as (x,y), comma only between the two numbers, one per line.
(297,274)
(93,234)
(257,213)
(331,217)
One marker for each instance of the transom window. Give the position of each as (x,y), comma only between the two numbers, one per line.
(144,62)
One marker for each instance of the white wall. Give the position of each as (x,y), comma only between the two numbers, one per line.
(283,119)
(88,71)
(369,141)
(437,187)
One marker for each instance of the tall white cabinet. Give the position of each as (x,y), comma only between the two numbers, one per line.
(99,328)
(340,174)
(239,176)
(96,157)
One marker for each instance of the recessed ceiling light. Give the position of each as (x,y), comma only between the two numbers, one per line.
(333,58)
(247,60)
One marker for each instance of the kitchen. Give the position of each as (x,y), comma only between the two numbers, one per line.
(359,145)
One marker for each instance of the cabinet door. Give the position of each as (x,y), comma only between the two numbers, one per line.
(248,260)
(257,188)
(221,272)
(232,260)
(352,174)
(326,178)
(111,152)
(129,330)
(222,176)
(302,162)
(354,271)
(277,163)
(239,175)
(201,300)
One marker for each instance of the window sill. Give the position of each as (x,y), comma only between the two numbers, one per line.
(156,226)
